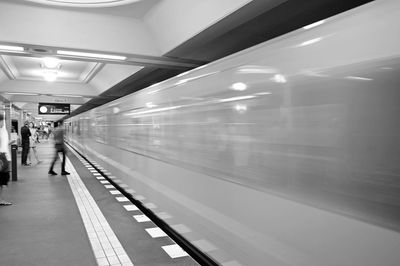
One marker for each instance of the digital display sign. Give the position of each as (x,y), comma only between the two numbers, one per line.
(54,109)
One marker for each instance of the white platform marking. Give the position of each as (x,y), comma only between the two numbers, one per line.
(121,199)
(174,251)
(109,186)
(141,218)
(156,232)
(115,192)
(104,182)
(101,236)
(131,207)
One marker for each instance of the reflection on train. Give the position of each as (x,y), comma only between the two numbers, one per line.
(286,153)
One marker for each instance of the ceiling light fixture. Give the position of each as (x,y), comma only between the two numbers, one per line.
(11,48)
(51,62)
(66,95)
(22,93)
(50,75)
(91,55)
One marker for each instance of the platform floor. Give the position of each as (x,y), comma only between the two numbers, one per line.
(78,219)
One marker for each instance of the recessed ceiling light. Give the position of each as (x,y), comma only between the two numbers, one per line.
(91,55)
(11,48)
(51,62)
(50,75)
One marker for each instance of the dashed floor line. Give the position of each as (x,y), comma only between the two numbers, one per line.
(174,251)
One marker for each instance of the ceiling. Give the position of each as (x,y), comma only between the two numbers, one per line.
(128,8)
(129,29)
(152,39)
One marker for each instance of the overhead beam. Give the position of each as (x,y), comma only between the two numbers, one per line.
(47,99)
(34,50)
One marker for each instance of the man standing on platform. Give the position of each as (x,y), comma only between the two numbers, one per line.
(59,147)
(25,134)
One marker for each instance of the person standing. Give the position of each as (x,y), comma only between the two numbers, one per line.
(25,134)
(32,143)
(59,147)
(5,158)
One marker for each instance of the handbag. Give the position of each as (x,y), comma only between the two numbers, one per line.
(3,162)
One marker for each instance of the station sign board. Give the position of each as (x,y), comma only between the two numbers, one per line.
(54,109)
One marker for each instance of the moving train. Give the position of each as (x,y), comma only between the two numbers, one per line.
(286,153)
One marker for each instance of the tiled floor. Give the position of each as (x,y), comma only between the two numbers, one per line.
(106,246)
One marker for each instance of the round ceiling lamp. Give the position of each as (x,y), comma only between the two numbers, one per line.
(84,3)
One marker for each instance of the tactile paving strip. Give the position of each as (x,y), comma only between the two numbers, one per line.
(106,246)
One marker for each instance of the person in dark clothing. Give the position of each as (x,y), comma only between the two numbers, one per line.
(25,135)
(59,147)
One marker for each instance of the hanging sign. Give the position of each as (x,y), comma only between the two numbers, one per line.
(54,109)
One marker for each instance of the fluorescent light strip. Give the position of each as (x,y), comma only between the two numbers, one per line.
(91,55)
(65,95)
(11,48)
(22,93)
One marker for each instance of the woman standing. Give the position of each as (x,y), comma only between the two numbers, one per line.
(32,143)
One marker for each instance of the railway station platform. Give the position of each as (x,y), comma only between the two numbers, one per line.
(79,219)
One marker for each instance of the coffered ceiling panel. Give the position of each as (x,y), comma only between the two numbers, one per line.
(33,68)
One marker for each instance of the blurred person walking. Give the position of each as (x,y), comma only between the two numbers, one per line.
(25,136)
(59,147)
(5,159)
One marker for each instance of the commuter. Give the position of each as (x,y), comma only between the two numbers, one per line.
(59,147)
(46,131)
(5,158)
(25,134)
(32,143)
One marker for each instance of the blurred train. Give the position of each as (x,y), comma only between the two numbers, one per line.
(286,153)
